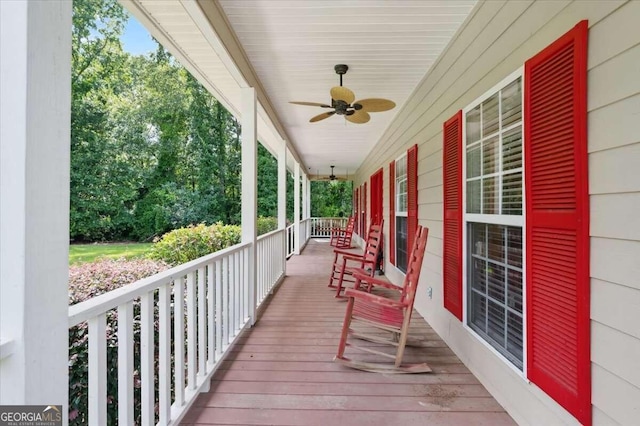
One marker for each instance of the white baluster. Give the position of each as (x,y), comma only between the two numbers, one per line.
(98,370)
(202,323)
(164,372)
(147,359)
(178,340)
(211,318)
(125,364)
(191,330)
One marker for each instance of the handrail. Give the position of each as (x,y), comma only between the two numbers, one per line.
(97,305)
(270,233)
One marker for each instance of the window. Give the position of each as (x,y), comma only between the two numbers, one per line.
(401,206)
(493,218)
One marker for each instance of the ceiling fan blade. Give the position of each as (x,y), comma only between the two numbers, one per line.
(341,93)
(358,117)
(376,104)
(310,104)
(321,116)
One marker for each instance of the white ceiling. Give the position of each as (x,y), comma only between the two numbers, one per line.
(293,46)
(287,50)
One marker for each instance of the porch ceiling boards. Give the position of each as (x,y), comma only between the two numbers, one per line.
(293,46)
(281,371)
(287,49)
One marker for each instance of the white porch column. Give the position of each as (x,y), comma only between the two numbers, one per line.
(250,189)
(296,207)
(35,82)
(305,207)
(282,198)
(309,197)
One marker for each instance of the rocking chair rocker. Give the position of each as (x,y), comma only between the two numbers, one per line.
(341,237)
(391,314)
(346,263)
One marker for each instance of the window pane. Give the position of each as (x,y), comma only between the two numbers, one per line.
(512,103)
(472,125)
(478,238)
(512,149)
(490,116)
(478,312)
(473,196)
(473,162)
(490,196)
(496,322)
(514,337)
(490,155)
(514,290)
(496,282)
(495,287)
(514,247)
(401,167)
(495,234)
(401,243)
(512,194)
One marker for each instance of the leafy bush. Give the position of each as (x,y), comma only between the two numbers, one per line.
(86,281)
(185,244)
(266,224)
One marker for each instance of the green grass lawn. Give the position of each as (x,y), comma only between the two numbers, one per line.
(82,253)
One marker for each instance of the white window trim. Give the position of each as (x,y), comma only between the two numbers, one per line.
(398,213)
(498,220)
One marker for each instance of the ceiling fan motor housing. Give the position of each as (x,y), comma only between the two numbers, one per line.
(341,69)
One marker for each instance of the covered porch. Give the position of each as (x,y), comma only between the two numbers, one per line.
(280,371)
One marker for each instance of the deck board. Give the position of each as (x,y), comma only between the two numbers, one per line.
(280,372)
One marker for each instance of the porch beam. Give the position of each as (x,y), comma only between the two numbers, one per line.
(250,190)
(296,207)
(35,82)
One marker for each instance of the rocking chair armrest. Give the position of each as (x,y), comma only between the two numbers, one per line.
(373,298)
(347,253)
(366,279)
(349,257)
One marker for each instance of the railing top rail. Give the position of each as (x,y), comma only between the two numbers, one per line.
(269,234)
(97,305)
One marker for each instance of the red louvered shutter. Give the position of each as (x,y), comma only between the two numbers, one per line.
(412,195)
(356,213)
(557,222)
(452,238)
(392,212)
(365,229)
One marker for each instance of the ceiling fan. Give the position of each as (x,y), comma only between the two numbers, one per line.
(332,176)
(342,102)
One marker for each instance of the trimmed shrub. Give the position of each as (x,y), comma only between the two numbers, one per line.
(266,224)
(86,281)
(185,244)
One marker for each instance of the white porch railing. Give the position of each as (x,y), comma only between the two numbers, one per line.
(207,304)
(305,229)
(270,262)
(291,233)
(321,226)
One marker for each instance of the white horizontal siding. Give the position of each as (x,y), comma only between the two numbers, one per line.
(497,39)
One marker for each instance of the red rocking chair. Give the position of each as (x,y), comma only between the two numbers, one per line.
(341,237)
(390,314)
(346,263)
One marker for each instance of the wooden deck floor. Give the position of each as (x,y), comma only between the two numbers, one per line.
(281,371)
